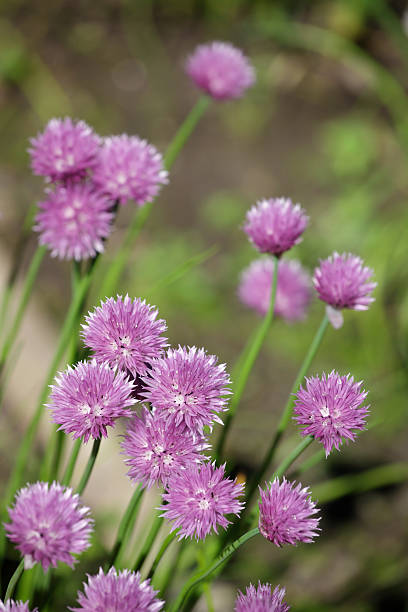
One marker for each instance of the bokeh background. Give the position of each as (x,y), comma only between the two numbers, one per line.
(327,125)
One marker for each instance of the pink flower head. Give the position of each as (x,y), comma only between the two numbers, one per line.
(88,398)
(129,169)
(330,409)
(220,70)
(125,333)
(156,448)
(66,149)
(276,225)
(285,512)
(342,281)
(74,221)
(188,386)
(261,599)
(49,524)
(198,498)
(292,293)
(15,606)
(117,591)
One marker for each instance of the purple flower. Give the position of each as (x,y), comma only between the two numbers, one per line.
(125,333)
(276,225)
(129,169)
(66,149)
(330,409)
(285,512)
(15,606)
(156,448)
(220,70)
(188,386)
(116,592)
(88,398)
(261,599)
(292,293)
(198,498)
(74,221)
(49,524)
(342,281)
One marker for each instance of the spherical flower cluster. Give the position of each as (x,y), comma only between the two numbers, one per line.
(129,168)
(15,606)
(74,221)
(330,409)
(88,398)
(261,599)
(292,292)
(156,448)
(117,591)
(285,513)
(188,386)
(66,149)
(276,225)
(198,499)
(48,524)
(125,333)
(220,70)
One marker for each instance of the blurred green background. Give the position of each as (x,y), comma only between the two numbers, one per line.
(327,125)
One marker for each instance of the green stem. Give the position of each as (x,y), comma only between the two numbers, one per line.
(89,466)
(185,130)
(60,439)
(251,353)
(203,574)
(27,289)
(283,423)
(13,580)
(208,597)
(150,538)
(166,543)
(171,570)
(125,523)
(66,479)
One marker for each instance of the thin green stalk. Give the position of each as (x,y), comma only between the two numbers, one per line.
(89,466)
(251,353)
(130,513)
(208,597)
(25,296)
(69,470)
(165,544)
(13,580)
(203,574)
(117,265)
(149,541)
(285,418)
(171,570)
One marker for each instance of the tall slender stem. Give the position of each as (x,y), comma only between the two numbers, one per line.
(125,523)
(284,420)
(251,353)
(166,543)
(203,574)
(13,580)
(185,130)
(69,470)
(89,466)
(150,538)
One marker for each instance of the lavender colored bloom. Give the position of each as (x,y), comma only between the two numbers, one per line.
(342,281)
(125,333)
(15,606)
(130,168)
(49,524)
(116,592)
(198,498)
(88,398)
(66,149)
(292,293)
(285,512)
(261,599)
(74,221)
(330,409)
(220,70)
(276,225)
(188,386)
(156,448)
